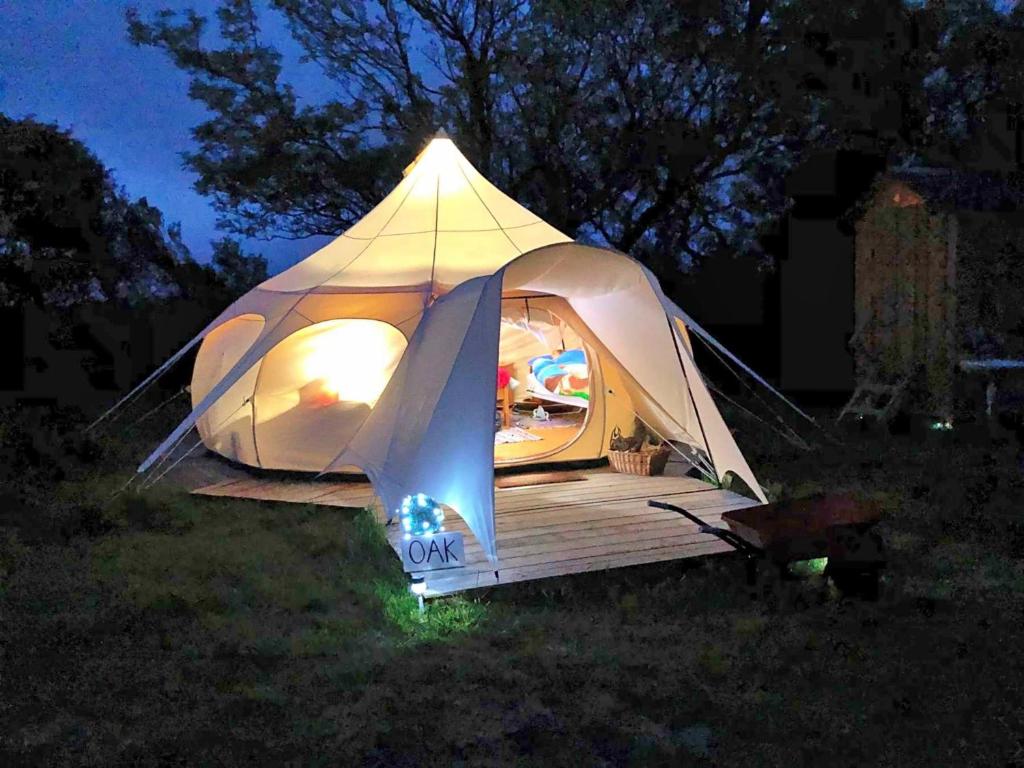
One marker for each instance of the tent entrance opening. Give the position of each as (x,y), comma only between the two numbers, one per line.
(544,389)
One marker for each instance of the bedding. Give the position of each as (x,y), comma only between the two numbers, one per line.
(563,378)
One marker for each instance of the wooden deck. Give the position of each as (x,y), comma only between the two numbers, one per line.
(597,523)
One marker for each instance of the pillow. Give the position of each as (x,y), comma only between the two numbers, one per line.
(317,394)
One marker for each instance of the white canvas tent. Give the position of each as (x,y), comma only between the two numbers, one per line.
(378,353)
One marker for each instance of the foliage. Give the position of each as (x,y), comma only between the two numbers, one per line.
(990,272)
(96,286)
(237,270)
(66,234)
(661,129)
(58,481)
(41,449)
(69,236)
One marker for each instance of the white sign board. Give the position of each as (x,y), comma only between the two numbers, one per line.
(433,552)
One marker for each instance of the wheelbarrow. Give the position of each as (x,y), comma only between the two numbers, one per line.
(839,528)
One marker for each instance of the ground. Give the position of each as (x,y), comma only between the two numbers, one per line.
(171,629)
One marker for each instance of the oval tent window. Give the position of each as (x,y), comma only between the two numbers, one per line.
(317,387)
(226,427)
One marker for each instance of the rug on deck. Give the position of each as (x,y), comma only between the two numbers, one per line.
(552,422)
(537,478)
(513,435)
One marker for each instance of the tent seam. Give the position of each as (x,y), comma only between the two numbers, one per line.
(437,215)
(255,386)
(369,242)
(446,231)
(490,212)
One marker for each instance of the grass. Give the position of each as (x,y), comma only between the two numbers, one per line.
(273,579)
(185,630)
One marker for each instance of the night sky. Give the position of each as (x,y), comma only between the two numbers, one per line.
(70,62)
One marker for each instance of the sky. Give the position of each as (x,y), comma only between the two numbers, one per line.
(70,62)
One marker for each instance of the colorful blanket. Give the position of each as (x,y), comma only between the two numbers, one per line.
(566,374)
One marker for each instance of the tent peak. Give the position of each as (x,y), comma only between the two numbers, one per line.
(432,142)
(444,223)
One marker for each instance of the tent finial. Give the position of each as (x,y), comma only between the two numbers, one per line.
(441,134)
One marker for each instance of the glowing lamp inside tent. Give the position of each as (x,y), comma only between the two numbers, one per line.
(349,360)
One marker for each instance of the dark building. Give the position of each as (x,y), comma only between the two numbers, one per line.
(939,281)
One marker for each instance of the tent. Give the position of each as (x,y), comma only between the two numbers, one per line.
(389,350)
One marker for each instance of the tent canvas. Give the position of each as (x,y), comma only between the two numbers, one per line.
(378,353)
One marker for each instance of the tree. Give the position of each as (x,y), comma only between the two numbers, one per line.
(69,236)
(623,122)
(902,78)
(663,129)
(238,271)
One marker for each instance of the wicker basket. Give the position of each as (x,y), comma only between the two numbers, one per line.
(644,462)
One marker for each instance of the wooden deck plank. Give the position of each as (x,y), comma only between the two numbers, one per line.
(690,548)
(600,480)
(560,536)
(347,497)
(606,547)
(595,484)
(214,488)
(593,509)
(508,501)
(597,523)
(296,493)
(503,507)
(601,511)
(634,537)
(438,587)
(611,528)
(622,520)
(564,546)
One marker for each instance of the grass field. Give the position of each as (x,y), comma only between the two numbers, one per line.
(167,629)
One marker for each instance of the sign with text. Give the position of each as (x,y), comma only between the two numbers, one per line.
(433,552)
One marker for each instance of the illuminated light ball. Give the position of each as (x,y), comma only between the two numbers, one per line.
(420,515)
